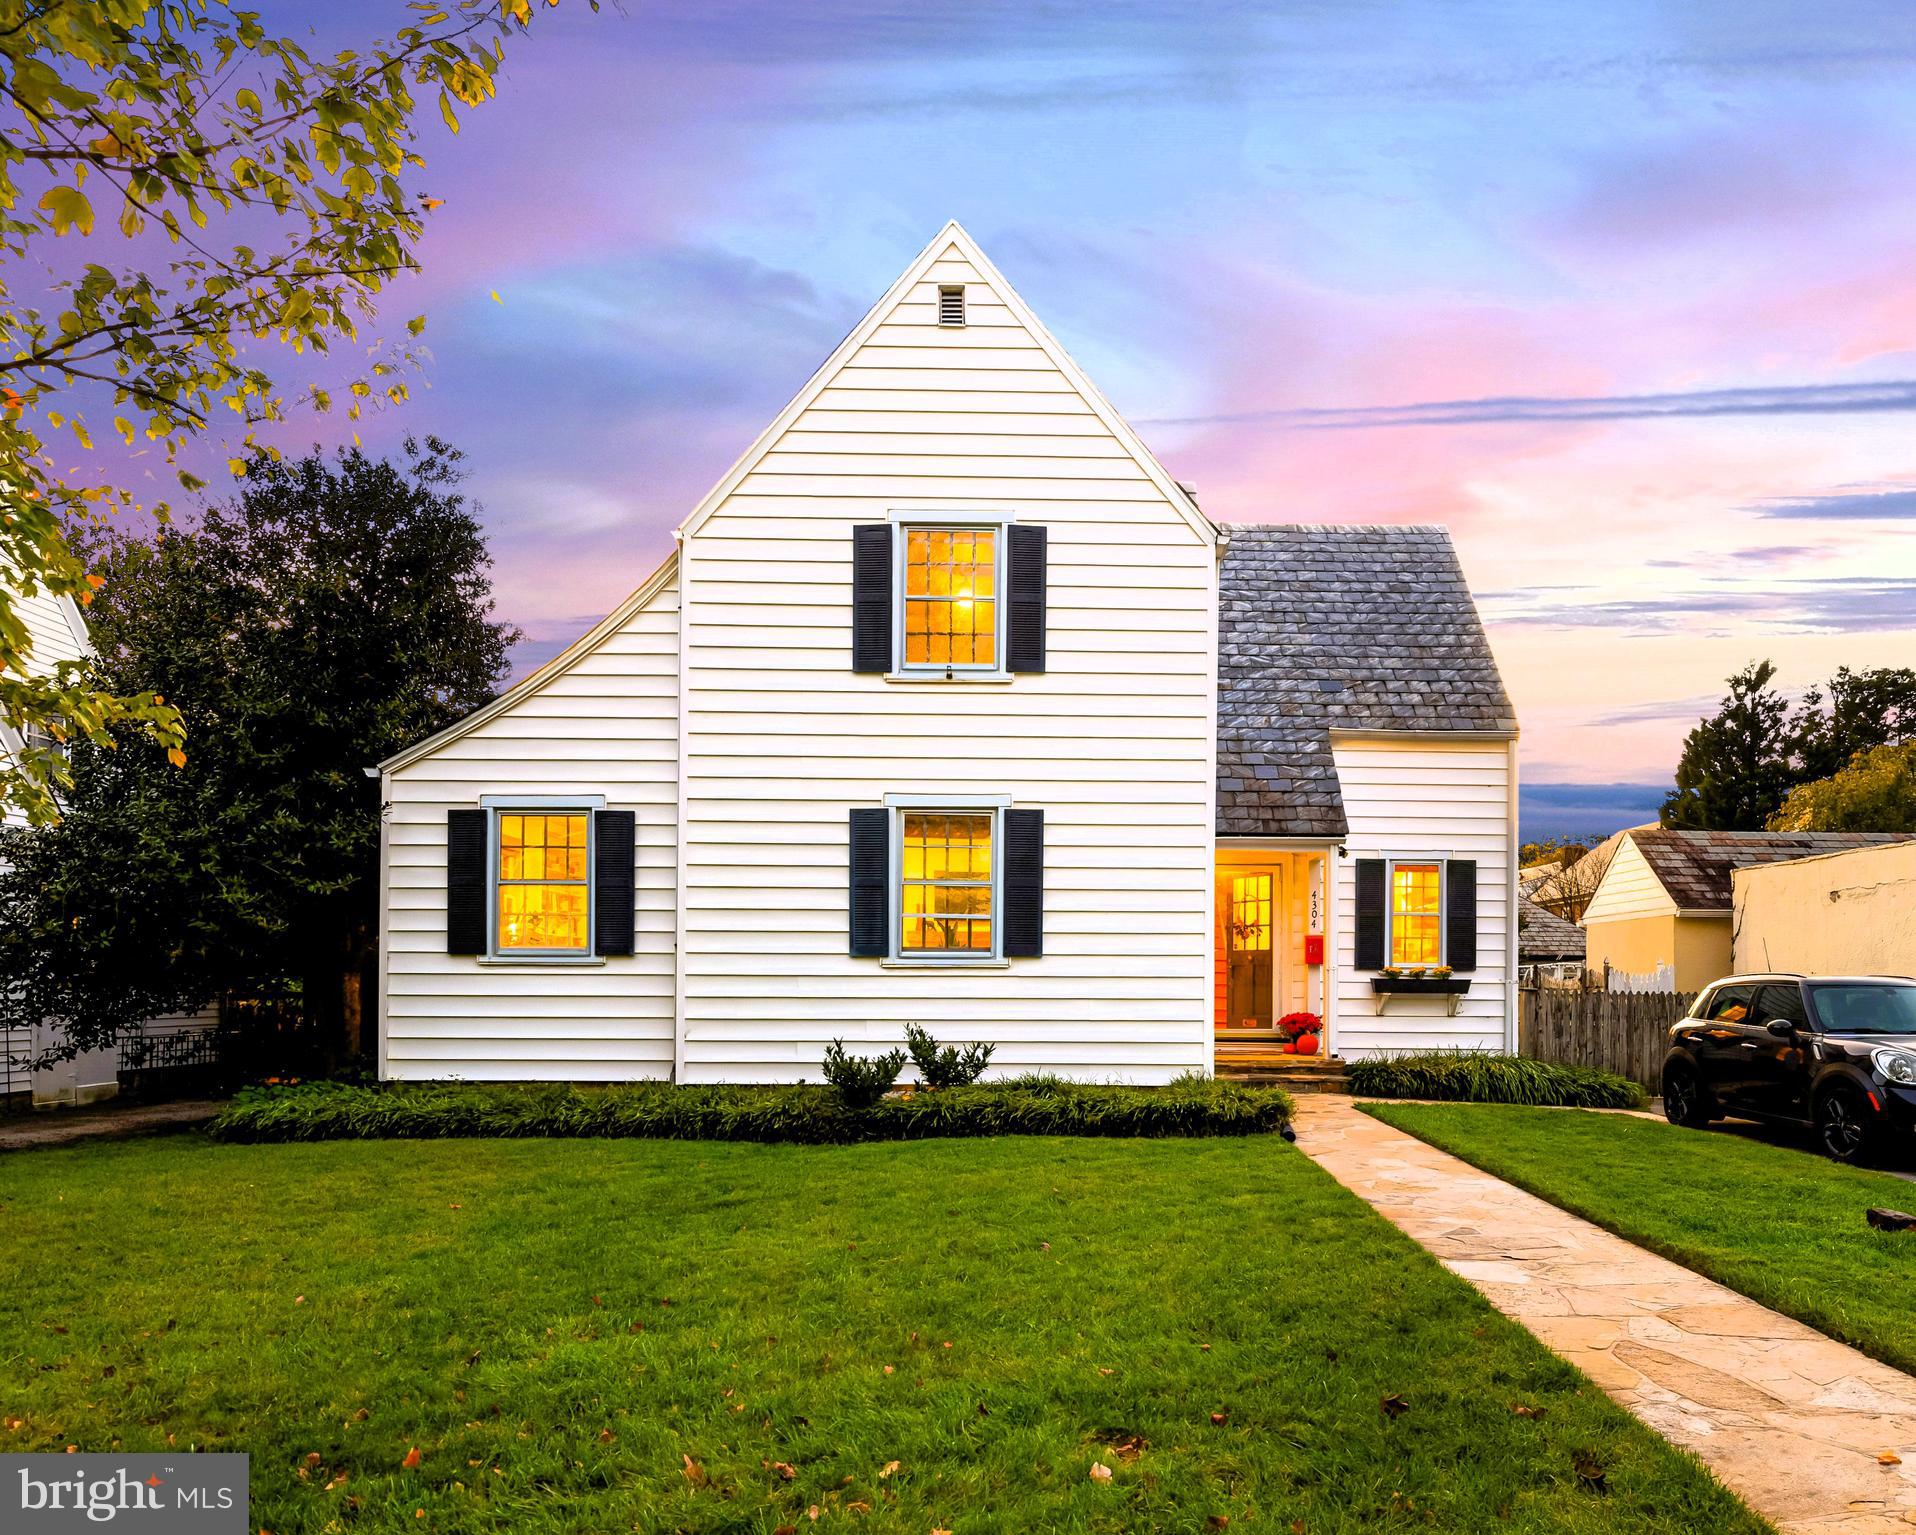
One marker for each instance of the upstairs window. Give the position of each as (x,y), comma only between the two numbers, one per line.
(951,305)
(545,895)
(945,869)
(951,598)
(1416,914)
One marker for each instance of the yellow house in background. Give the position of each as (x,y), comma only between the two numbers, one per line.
(1848,913)
(1665,901)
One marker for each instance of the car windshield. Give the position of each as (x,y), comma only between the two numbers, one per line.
(1884,1008)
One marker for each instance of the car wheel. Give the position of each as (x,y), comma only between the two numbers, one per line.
(1686,1101)
(1846,1126)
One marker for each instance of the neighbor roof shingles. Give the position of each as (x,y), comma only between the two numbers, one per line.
(1322,628)
(1695,866)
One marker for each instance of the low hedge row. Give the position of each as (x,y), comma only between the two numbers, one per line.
(1463,1076)
(333,1111)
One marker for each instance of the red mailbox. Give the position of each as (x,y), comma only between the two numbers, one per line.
(1313,948)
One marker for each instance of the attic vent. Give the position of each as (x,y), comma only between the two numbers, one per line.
(951,306)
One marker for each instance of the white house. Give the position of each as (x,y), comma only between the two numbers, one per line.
(952,707)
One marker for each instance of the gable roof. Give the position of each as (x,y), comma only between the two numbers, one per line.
(1355,627)
(1694,867)
(954,237)
(1542,935)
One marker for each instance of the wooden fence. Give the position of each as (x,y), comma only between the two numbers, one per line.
(1624,1032)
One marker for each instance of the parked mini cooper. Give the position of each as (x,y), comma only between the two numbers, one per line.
(1834,1052)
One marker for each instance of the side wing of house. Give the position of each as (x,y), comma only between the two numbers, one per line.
(509,844)
(1432,836)
(949,669)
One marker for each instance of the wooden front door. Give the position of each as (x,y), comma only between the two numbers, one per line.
(1249,982)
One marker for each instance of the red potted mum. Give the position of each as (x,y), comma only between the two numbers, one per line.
(1303,1031)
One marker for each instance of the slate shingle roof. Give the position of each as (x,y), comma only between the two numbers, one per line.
(1695,866)
(1543,936)
(1354,627)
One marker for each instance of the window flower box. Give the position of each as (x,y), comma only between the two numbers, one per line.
(1450,988)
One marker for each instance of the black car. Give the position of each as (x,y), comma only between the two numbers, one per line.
(1834,1052)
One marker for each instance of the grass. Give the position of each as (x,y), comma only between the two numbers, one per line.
(1781,1226)
(327,1111)
(1473,1076)
(659,1336)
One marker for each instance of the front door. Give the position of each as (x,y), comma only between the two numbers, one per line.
(1250,904)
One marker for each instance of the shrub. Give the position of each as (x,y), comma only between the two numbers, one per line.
(324,1111)
(946,1066)
(861,1080)
(1472,1076)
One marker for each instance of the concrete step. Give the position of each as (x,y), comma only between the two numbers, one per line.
(1292,1081)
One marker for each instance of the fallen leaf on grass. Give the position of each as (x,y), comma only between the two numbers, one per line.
(413,1457)
(1394,1405)
(1590,1472)
(298,1300)
(1130,1448)
(785,1471)
(1219,1521)
(1100,1472)
(1219,1417)
(786,1529)
(1103,1371)
(812,1513)
(694,1472)
(1525,1410)
(890,1466)
(1889,1458)
(312,1457)
(605,1436)
(858,1508)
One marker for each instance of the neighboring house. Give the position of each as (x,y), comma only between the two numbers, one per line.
(1664,901)
(59,633)
(953,708)
(1544,938)
(1846,913)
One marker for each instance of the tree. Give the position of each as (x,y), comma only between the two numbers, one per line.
(1735,767)
(151,119)
(1876,791)
(1866,709)
(333,614)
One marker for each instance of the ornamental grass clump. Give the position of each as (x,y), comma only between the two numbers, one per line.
(329,1111)
(861,1080)
(1475,1076)
(945,1065)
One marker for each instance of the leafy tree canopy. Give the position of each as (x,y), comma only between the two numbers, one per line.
(1739,764)
(272,184)
(334,613)
(1876,791)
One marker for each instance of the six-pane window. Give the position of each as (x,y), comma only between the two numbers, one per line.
(951,597)
(1416,915)
(945,864)
(544,898)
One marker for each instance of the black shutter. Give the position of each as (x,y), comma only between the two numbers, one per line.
(1370,914)
(1460,914)
(870,883)
(614,833)
(1024,884)
(871,597)
(1025,598)
(466,881)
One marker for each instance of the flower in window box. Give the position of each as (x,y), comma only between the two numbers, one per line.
(1390,972)
(1440,972)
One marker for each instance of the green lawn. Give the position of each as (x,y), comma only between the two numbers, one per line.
(661,1336)
(1782,1226)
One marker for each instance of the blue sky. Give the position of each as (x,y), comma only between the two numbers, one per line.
(1625,294)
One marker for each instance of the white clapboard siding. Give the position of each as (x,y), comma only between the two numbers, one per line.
(1426,797)
(1629,888)
(1115,741)
(605,723)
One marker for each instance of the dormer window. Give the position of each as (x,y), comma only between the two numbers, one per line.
(951,305)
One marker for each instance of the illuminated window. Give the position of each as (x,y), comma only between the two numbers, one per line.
(545,898)
(945,868)
(951,597)
(1416,914)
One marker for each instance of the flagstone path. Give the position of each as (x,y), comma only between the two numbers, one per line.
(1818,1438)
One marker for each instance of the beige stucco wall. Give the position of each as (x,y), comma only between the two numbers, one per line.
(1843,914)
(1698,946)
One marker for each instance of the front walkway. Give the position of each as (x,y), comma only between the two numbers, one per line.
(55,1127)
(1812,1434)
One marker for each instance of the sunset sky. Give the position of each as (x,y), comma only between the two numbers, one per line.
(1625,294)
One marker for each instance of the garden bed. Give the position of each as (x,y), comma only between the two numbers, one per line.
(1472,1076)
(332,1111)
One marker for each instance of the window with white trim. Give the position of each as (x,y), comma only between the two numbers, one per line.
(542,881)
(950,580)
(947,883)
(1416,908)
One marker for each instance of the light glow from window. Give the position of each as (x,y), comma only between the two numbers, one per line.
(951,598)
(945,861)
(544,901)
(1416,916)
